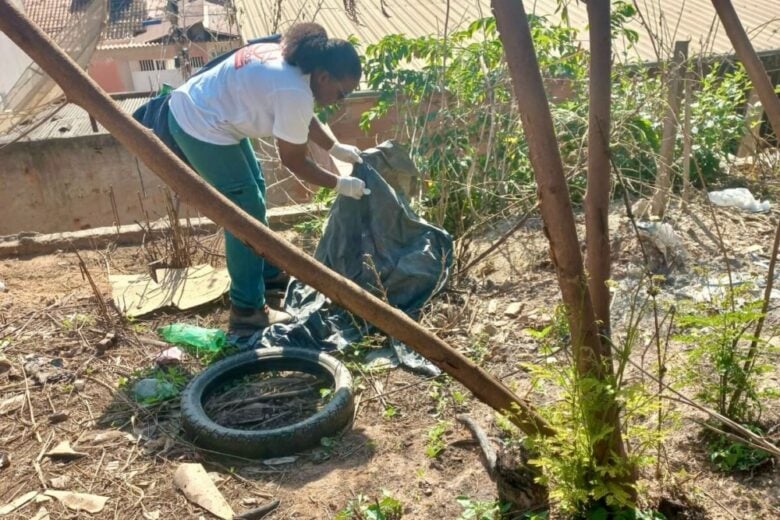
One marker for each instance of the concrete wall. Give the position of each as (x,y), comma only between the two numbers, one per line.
(64,184)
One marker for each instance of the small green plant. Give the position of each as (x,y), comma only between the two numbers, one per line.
(170,382)
(77,321)
(729,455)
(389,412)
(361,508)
(435,439)
(566,460)
(482,509)
(719,364)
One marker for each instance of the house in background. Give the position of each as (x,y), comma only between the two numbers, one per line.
(150,42)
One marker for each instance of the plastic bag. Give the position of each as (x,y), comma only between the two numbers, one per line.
(738,198)
(193,336)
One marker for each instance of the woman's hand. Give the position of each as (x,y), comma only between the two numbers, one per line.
(346,153)
(351,187)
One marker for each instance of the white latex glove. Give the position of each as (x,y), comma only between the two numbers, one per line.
(351,187)
(346,153)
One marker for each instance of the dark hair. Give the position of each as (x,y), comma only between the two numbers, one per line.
(307,46)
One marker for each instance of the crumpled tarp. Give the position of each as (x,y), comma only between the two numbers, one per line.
(382,245)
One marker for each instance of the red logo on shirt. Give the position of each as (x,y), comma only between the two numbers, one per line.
(259,51)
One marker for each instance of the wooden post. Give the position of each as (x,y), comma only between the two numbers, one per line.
(663,180)
(83,91)
(752,129)
(687,138)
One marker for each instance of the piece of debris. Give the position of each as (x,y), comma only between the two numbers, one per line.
(492,306)
(45,370)
(18,502)
(58,417)
(11,404)
(152,515)
(740,198)
(106,343)
(60,482)
(514,309)
(259,512)
(663,239)
(138,294)
(64,451)
(198,487)
(79,385)
(280,460)
(2,286)
(79,501)
(151,388)
(5,364)
(5,459)
(103,437)
(42,514)
(170,356)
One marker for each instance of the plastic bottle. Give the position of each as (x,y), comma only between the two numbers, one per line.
(193,336)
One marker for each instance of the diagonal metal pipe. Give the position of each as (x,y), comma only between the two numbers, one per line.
(83,91)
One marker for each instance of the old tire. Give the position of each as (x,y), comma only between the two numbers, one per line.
(334,416)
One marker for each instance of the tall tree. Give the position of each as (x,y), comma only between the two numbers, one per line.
(558,217)
(597,259)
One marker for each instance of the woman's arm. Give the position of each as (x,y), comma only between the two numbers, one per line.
(296,159)
(320,135)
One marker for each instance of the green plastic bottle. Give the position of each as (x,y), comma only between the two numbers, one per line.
(183,334)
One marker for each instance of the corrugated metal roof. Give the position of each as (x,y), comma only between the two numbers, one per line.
(69,122)
(669,20)
(52,16)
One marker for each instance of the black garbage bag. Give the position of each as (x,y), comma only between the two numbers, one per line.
(382,245)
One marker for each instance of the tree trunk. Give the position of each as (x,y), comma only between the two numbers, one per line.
(558,217)
(83,91)
(598,258)
(663,180)
(747,55)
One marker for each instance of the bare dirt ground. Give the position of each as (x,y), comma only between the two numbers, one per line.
(130,451)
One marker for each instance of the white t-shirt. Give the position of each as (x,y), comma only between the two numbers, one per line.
(253,93)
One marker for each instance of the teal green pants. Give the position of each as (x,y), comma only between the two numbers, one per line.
(234,171)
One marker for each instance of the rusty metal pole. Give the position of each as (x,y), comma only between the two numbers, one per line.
(83,91)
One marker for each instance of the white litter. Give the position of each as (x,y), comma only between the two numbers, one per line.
(738,198)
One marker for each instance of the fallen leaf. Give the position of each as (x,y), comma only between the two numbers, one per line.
(197,486)
(60,482)
(107,436)
(63,450)
(152,515)
(42,514)
(12,404)
(17,503)
(79,501)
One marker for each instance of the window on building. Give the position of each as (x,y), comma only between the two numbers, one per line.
(151,65)
(197,62)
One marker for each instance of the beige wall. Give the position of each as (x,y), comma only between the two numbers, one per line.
(64,184)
